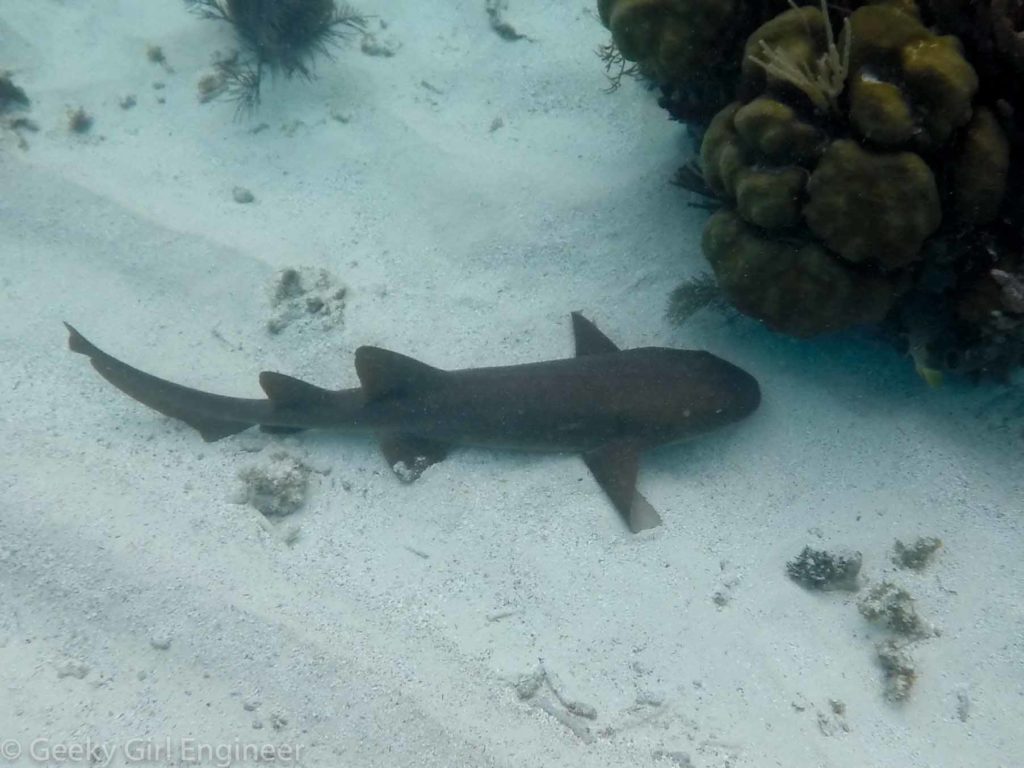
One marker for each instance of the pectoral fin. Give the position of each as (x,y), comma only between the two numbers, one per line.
(409,456)
(615,467)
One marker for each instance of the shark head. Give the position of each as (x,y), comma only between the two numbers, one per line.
(735,394)
(688,393)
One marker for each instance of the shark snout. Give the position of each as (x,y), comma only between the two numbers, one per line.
(736,393)
(746,393)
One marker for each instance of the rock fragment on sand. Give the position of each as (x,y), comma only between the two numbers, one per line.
(496,14)
(411,472)
(917,555)
(72,668)
(580,709)
(242,195)
(305,297)
(528,685)
(833,722)
(963,706)
(894,608)
(210,86)
(569,712)
(674,757)
(277,488)
(79,121)
(826,571)
(156,55)
(899,668)
(372,45)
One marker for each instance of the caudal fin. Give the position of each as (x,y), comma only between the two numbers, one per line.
(213,416)
(78,343)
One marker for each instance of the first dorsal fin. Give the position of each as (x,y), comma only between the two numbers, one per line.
(589,338)
(285,389)
(384,373)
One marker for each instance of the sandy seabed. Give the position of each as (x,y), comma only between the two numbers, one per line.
(467,192)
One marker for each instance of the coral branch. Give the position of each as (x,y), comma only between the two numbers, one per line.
(823,80)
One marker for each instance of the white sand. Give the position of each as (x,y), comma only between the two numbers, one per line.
(463,247)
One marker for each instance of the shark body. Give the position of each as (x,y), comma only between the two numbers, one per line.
(605,404)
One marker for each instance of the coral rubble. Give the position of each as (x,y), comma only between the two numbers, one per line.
(818,569)
(893,607)
(277,487)
(306,297)
(899,668)
(917,555)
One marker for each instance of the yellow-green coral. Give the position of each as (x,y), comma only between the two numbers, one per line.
(720,156)
(797,288)
(672,40)
(906,82)
(980,170)
(903,81)
(872,207)
(831,143)
(941,83)
(880,111)
(879,32)
(771,198)
(857,134)
(772,130)
(752,155)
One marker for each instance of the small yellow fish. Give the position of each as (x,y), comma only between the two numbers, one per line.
(931,376)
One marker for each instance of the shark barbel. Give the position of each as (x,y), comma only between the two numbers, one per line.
(606,404)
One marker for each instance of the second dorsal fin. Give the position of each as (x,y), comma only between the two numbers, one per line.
(383,373)
(285,389)
(589,338)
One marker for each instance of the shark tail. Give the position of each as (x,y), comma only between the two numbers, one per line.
(78,343)
(213,416)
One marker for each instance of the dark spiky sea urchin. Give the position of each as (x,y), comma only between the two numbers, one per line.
(277,36)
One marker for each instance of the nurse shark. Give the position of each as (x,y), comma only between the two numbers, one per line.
(606,404)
